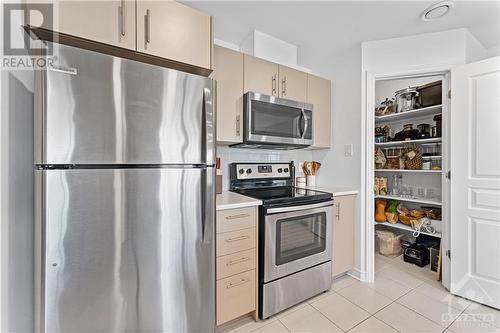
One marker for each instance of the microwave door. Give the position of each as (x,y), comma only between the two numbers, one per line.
(275,121)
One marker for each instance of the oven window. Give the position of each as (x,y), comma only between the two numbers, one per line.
(276,120)
(300,236)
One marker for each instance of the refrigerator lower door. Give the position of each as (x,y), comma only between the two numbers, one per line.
(127,250)
(94,108)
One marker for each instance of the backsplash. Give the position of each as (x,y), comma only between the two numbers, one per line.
(229,155)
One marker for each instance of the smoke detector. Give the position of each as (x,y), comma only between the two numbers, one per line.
(437,11)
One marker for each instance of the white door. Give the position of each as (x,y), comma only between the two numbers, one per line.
(475,181)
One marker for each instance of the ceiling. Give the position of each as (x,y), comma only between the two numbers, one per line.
(323,29)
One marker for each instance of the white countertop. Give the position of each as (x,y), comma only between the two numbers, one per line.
(336,191)
(231,200)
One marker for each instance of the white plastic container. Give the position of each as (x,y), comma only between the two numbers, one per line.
(389,244)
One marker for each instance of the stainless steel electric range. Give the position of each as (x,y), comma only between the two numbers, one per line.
(295,235)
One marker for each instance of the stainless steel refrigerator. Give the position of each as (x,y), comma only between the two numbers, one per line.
(125,198)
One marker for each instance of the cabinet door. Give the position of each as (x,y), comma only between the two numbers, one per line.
(343,235)
(292,84)
(171,30)
(319,95)
(109,22)
(228,71)
(260,76)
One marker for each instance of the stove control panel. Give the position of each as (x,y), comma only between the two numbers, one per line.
(260,171)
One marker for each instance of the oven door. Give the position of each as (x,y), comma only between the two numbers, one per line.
(296,238)
(272,120)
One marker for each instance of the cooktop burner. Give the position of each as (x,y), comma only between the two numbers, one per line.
(272,183)
(284,194)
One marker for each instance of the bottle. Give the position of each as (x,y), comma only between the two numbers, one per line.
(395,185)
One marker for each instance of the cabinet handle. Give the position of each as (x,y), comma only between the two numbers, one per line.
(238,125)
(338,211)
(123,17)
(283,87)
(273,84)
(237,261)
(148,26)
(238,216)
(236,239)
(242,281)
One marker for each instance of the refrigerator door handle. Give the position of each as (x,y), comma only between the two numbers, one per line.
(208,127)
(207,203)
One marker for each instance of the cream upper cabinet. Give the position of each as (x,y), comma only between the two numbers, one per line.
(260,76)
(319,94)
(108,22)
(343,234)
(171,30)
(228,71)
(292,84)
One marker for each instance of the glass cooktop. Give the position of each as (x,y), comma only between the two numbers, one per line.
(284,194)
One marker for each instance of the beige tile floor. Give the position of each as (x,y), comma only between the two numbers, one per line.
(404,298)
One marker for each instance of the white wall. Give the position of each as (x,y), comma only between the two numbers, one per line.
(344,71)
(493,51)
(431,50)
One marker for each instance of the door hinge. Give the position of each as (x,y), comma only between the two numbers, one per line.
(448,174)
(448,253)
(449,93)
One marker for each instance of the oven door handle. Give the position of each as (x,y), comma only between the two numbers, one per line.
(297,208)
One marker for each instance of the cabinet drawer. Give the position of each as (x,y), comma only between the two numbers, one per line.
(232,264)
(235,296)
(236,219)
(235,241)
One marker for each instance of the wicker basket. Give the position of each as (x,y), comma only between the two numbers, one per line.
(413,158)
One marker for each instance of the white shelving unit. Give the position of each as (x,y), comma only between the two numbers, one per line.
(405,227)
(409,171)
(430,110)
(402,143)
(413,180)
(415,200)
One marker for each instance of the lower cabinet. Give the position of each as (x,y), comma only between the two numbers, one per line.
(343,234)
(236,263)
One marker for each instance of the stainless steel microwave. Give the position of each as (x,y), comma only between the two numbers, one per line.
(275,123)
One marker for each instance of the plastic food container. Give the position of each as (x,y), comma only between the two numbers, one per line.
(389,243)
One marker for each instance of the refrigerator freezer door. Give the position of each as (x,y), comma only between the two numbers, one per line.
(128,250)
(99,109)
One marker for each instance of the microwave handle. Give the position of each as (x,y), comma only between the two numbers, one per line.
(306,123)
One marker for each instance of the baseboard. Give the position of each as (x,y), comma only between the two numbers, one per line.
(358,274)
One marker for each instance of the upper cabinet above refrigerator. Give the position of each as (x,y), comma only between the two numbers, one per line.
(165,33)
(109,22)
(175,31)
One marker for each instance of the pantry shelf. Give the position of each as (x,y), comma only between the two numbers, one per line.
(430,110)
(416,200)
(402,226)
(401,143)
(409,171)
